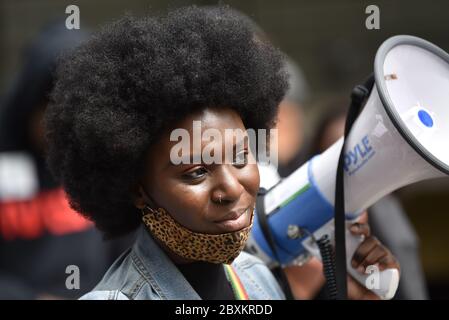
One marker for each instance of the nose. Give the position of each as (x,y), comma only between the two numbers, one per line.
(228,188)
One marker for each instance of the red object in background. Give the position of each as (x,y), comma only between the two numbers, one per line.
(48,212)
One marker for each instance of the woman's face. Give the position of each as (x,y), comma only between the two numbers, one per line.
(191,192)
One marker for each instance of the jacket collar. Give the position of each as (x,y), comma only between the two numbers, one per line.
(158,269)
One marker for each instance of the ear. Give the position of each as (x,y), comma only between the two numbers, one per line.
(139,197)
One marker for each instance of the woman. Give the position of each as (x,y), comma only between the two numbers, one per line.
(116,103)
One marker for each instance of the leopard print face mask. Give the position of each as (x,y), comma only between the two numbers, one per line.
(215,248)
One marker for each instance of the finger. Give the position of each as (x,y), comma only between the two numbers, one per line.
(373,257)
(387,262)
(363,218)
(362,251)
(360,229)
(357,291)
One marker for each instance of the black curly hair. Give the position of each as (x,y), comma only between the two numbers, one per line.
(115,94)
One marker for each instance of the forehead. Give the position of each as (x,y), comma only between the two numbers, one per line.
(223,121)
(218,118)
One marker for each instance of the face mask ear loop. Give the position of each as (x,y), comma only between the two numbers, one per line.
(149,203)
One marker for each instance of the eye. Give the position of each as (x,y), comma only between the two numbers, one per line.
(241,159)
(195,174)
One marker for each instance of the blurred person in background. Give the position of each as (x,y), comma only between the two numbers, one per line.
(291,122)
(290,125)
(40,235)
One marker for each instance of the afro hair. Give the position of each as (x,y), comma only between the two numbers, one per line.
(117,92)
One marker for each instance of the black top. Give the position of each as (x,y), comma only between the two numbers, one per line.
(208,280)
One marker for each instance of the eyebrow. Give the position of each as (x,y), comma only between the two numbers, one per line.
(192,156)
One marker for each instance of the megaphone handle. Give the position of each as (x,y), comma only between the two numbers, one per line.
(383,283)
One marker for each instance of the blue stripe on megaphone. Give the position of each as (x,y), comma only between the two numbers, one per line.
(309,210)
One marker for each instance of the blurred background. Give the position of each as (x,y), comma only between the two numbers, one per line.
(328,40)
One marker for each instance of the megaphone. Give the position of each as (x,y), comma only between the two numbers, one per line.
(399,138)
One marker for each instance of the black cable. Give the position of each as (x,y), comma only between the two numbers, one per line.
(328,261)
(358,96)
(265,228)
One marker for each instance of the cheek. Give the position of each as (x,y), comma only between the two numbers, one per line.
(184,202)
(250,179)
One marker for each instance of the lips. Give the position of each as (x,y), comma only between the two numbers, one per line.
(234,221)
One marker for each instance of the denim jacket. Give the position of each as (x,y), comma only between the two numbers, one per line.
(145,272)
